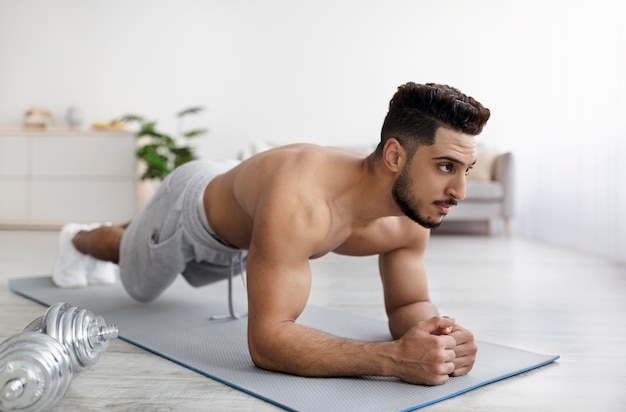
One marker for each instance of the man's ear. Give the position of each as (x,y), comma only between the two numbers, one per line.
(394,155)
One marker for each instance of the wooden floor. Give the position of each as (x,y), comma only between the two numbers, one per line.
(509,291)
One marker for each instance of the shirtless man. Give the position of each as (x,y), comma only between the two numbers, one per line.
(281,208)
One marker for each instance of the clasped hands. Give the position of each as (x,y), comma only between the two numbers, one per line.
(435,349)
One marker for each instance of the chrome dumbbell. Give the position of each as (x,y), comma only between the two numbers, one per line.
(84,334)
(35,372)
(38,365)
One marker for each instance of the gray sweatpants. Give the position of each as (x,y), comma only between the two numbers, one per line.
(168,237)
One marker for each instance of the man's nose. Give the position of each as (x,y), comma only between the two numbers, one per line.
(456,187)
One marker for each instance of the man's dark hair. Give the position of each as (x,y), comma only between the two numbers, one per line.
(416,111)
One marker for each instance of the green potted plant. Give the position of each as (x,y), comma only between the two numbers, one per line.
(161,152)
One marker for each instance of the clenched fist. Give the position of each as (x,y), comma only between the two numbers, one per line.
(433,350)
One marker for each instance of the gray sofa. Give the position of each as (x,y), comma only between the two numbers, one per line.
(488,198)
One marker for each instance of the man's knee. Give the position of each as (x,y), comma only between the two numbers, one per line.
(142,296)
(139,291)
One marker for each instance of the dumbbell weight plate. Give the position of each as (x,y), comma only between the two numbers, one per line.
(35,372)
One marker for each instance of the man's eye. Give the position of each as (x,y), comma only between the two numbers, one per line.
(467,172)
(446,167)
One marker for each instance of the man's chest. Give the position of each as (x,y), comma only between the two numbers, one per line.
(379,236)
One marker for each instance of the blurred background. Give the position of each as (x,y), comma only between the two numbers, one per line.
(279,71)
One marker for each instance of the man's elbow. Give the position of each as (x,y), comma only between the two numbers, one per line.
(395,331)
(259,360)
(260,354)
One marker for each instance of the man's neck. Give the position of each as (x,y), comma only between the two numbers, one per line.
(368,196)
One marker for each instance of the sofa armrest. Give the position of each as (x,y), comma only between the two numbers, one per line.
(504,173)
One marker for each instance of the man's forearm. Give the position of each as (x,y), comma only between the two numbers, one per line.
(405,317)
(419,357)
(299,350)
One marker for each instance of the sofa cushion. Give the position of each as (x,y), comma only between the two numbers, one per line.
(483,169)
(482,191)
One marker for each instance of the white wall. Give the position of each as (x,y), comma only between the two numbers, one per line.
(323,71)
(570,130)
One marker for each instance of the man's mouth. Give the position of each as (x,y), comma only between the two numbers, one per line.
(444,206)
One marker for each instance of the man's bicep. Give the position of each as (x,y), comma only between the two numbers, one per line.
(404,278)
(279,277)
(277,288)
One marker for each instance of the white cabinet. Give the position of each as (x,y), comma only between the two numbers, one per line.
(55,177)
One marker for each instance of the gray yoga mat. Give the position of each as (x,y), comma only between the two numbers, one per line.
(177,326)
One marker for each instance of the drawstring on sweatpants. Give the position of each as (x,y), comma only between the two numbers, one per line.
(231,307)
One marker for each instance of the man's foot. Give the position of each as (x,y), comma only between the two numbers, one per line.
(75,269)
(101,273)
(71,268)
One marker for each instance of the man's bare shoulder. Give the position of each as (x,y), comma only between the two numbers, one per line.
(291,187)
(297,170)
(301,157)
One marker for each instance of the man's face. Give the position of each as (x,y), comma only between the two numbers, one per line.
(434,179)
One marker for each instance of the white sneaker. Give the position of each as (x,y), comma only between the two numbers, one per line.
(102,273)
(71,268)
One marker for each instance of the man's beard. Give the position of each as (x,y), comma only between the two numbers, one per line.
(408,204)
